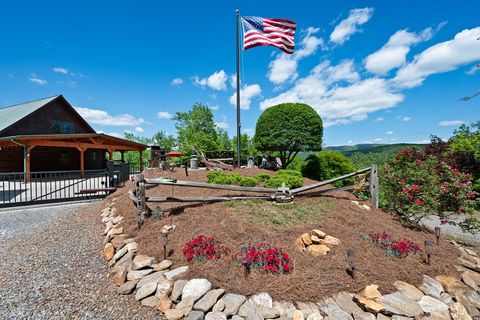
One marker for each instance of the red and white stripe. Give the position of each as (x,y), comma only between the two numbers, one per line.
(279,33)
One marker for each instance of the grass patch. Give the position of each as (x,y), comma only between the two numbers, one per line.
(282,214)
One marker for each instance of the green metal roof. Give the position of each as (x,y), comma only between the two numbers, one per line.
(10,115)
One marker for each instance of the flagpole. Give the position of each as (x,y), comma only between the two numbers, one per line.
(238,86)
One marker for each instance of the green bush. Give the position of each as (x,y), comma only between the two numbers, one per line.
(274,182)
(288,172)
(326,165)
(262,177)
(212,176)
(248,182)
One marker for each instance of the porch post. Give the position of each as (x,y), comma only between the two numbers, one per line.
(122,153)
(141,161)
(28,149)
(110,154)
(82,161)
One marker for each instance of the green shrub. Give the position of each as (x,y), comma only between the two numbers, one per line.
(262,177)
(248,182)
(326,165)
(274,182)
(288,172)
(290,181)
(212,176)
(234,178)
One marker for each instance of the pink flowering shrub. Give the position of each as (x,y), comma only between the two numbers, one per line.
(393,248)
(266,257)
(415,186)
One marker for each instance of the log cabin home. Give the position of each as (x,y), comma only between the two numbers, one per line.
(50,135)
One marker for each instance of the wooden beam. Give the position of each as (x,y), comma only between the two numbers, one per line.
(209,185)
(374,186)
(322,183)
(82,162)
(71,144)
(27,163)
(204,199)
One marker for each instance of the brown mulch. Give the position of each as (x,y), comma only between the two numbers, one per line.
(313,277)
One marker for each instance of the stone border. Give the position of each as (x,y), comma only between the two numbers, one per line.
(155,285)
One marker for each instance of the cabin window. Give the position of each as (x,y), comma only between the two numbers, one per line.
(64,156)
(62,127)
(94,156)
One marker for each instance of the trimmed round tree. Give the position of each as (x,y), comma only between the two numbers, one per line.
(289,128)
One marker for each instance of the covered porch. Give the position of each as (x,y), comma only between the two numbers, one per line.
(29,153)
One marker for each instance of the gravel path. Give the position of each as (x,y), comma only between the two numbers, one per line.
(51,267)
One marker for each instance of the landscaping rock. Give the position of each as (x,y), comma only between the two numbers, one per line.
(164,287)
(458,312)
(315,239)
(196,315)
(173,314)
(127,287)
(196,288)
(473,297)
(138,274)
(446,298)
(248,310)
(120,253)
(232,303)
(131,247)
(434,307)
(286,308)
(185,305)
(431,287)
(262,300)
(164,304)
(108,251)
(177,289)
(371,292)
(236,317)
(319,233)
(150,302)
(216,315)
(120,276)
(331,241)
(333,311)
(175,273)
(298,315)
(162,265)
(315,316)
(141,261)
(382,317)
(299,245)
(318,249)
(152,277)
(208,300)
(400,304)
(115,232)
(307,308)
(472,279)
(268,313)
(145,291)
(345,301)
(408,290)
(306,239)
(451,284)
(219,306)
(368,304)
(470,262)
(118,241)
(469,305)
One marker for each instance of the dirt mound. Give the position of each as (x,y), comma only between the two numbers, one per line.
(236,224)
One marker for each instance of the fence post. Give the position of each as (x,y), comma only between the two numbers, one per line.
(139,183)
(373,183)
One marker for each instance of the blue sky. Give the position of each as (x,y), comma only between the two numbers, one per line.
(375,71)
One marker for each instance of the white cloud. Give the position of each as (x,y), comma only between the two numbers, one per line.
(349,26)
(115,134)
(164,115)
(406,119)
(446,56)
(139,129)
(394,53)
(389,132)
(249,131)
(379,119)
(222,124)
(101,117)
(449,123)
(60,70)
(284,67)
(247,93)
(473,69)
(233,80)
(176,82)
(338,94)
(215,107)
(33,78)
(216,81)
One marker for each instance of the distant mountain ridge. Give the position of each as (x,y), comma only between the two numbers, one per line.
(371,147)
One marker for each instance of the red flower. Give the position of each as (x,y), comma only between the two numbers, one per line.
(406,190)
(410,196)
(420,202)
(415,188)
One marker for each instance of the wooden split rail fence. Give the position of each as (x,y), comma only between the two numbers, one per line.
(282,194)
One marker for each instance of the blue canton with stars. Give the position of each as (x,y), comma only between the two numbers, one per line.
(252,23)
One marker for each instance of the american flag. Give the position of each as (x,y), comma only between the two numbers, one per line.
(259,31)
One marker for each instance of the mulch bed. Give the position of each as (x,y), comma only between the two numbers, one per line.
(313,277)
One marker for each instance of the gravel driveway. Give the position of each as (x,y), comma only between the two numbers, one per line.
(51,267)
